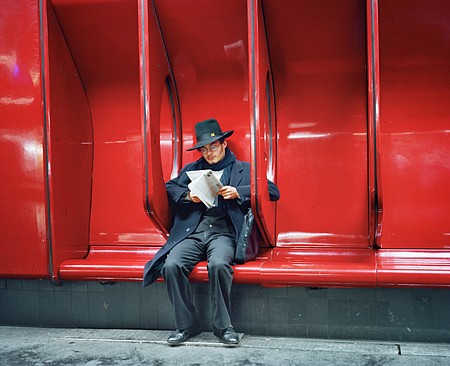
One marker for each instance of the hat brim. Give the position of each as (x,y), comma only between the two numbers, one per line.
(210,140)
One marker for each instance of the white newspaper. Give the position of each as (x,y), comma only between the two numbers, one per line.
(205,184)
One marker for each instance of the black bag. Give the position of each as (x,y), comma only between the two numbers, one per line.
(247,245)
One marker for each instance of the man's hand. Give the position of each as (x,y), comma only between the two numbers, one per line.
(193,197)
(228,193)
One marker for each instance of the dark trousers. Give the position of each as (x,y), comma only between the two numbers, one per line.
(211,241)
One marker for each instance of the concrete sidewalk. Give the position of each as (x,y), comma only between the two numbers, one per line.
(93,347)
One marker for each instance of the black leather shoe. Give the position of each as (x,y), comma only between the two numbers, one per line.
(227,335)
(180,336)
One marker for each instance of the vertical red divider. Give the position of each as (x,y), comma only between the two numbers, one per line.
(373,99)
(45,70)
(254,82)
(258,69)
(144,69)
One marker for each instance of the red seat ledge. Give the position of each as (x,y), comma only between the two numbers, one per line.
(113,263)
(413,268)
(281,267)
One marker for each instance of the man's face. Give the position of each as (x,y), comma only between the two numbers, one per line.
(214,152)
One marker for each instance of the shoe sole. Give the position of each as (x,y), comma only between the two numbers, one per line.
(196,333)
(234,343)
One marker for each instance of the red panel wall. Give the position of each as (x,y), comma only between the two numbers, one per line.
(318,56)
(23,222)
(69,132)
(207,46)
(103,39)
(415,120)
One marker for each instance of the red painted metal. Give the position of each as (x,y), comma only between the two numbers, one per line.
(356,92)
(112,263)
(273,267)
(103,38)
(160,117)
(23,218)
(373,123)
(207,46)
(262,123)
(69,148)
(109,263)
(413,268)
(318,59)
(340,267)
(414,123)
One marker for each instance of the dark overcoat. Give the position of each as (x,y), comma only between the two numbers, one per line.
(187,215)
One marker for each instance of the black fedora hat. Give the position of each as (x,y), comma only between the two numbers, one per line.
(208,131)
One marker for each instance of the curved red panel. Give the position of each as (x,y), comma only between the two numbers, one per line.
(70,152)
(207,47)
(318,58)
(262,123)
(103,38)
(160,118)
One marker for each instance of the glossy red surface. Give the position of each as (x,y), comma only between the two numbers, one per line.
(343,103)
(413,268)
(103,38)
(207,48)
(70,153)
(338,267)
(318,60)
(373,122)
(274,268)
(285,267)
(23,215)
(414,123)
(262,123)
(160,116)
(107,263)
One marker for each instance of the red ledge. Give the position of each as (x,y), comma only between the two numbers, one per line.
(278,267)
(413,268)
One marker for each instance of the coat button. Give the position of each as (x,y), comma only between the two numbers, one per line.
(188,229)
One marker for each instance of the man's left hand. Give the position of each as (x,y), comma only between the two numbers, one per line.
(228,192)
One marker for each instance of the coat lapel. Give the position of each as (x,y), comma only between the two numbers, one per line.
(236,174)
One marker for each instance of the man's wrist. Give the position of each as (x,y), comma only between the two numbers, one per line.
(186,197)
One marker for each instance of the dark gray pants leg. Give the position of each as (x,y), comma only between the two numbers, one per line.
(220,253)
(179,264)
(218,248)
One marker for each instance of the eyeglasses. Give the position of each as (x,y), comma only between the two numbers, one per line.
(212,148)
